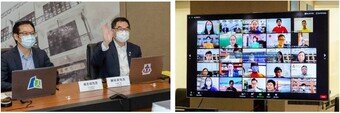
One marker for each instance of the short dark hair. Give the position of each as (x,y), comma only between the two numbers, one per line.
(303,66)
(231,81)
(16,26)
(304,21)
(119,19)
(303,84)
(281,35)
(277,69)
(16,29)
(208,52)
(279,19)
(271,81)
(253,79)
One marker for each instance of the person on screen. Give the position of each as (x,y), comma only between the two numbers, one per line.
(279,28)
(303,43)
(304,70)
(251,57)
(279,57)
(208,57)
(301,57)
(295,86)
(208,43)
(253,87)
(113,55)
(209,28)
(24,56)
(271,86)
(304,89)
(255,71)
(231,72)
(224,26)
(304,26)
(281,41)
(208,85)
(231,86)
(254,28)
(255,43)
(278,72)
(237,28)
(205,72)
(233,43)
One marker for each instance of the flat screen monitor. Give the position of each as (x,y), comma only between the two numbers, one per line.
(282,55)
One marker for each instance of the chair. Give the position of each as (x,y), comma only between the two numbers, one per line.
(92,72)
(181,98)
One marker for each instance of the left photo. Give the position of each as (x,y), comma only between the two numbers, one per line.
(85,56)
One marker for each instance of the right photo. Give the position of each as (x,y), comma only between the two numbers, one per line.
(257,56)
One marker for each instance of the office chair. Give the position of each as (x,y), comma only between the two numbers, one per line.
(92,72)
(3,50)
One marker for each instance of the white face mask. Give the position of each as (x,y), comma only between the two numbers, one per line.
(122,35)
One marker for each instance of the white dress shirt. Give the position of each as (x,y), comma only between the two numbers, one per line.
(122,56)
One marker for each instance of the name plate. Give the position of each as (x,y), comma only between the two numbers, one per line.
(118,81)
(90,85)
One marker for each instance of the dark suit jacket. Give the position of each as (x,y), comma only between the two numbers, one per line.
(11,61)
(107,61)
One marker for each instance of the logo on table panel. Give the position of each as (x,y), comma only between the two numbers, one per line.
(147,69)
(34,83)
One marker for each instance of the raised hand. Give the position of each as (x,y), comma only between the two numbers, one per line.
(108,35)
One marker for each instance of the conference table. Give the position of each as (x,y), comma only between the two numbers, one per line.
(68,98)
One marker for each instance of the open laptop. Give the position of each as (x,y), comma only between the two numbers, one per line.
(146,69)
(37,82)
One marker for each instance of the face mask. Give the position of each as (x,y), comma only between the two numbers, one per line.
(28,41)
(209,27)
(122,36)
(255,68)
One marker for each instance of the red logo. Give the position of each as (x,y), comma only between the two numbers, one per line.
(323,96)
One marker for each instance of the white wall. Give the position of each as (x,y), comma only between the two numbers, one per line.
(182,10)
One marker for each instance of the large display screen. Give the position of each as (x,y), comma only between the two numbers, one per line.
(258,55)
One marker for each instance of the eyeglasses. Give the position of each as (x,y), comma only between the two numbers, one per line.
(122,29)
(26,34)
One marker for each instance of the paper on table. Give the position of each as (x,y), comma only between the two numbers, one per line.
(6,94)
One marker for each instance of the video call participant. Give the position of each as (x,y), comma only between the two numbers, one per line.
(208,85)
(303,40)
(279,57)
(253,87)
(254,28)
(209,28)
(205,73)
(232,41)
(304,71)
(271,86)
(279,28)
(255,43)
(304,26)
(23,56)
(231,72)
(278,72)
(231,86)
(281,41)
(208,57)
(255,71)
(301,57)
(305,89)
(208,43)
(113,55)
(224,26)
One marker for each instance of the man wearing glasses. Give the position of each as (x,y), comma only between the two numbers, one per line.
(23,56)
(113,55)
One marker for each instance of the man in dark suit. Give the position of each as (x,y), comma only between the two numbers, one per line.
(23,56)
(113,55)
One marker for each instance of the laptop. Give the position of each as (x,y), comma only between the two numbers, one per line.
(27,84)
(146,69)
